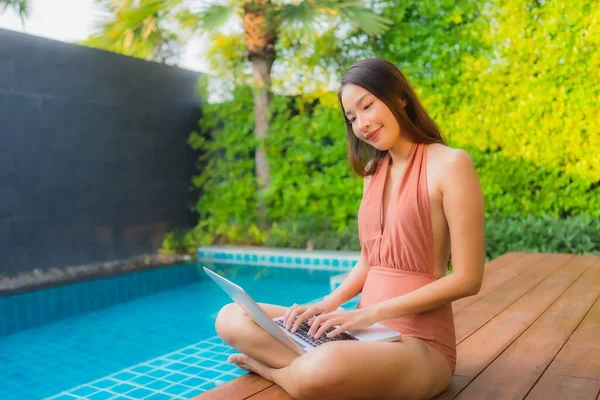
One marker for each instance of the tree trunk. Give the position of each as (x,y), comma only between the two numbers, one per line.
(261,69)
(260,39)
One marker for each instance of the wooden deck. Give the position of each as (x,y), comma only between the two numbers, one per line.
(532,332)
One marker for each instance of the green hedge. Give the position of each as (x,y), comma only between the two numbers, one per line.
(519,94)
(515,83)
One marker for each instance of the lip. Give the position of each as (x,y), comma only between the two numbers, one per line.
(373,135)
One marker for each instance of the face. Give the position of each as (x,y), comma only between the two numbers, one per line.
(372,121)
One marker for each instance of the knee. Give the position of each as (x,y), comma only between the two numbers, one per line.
(321,373)
(227,323)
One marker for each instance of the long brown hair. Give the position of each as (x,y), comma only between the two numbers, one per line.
(386,82)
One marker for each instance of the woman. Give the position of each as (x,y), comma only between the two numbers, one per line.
(421,201)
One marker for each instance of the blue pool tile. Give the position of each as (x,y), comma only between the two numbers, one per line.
(263,258)
(307,261)
(298,260)
(159,363)
(326,261)
(176,389)
(194,382)
(175,377)
(105,383)
(142,369)
(221,357)
(226,367)
(158,384)
(158,373)
(84,391)
(288,260)
(192,393)
(139,393)
(176,366)
(208,386)
(254,257)
(175,356)
(316,261)
(345,263)
(246,257)
(188,351)
(208,363)
(142,380)
(159,396)
(191,360)
(271,259)
(122,388)
(64,397)
(193,370)
(100,396)
(125,376)
(336,263)
(208,374)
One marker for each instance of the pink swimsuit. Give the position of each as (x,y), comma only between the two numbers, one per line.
(400,257)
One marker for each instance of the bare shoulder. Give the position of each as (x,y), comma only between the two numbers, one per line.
(449,165)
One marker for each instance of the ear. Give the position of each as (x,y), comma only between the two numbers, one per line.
(403,103)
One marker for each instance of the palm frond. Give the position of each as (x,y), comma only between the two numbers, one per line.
(367,20)
(22,7)
(207,20)
(308,11)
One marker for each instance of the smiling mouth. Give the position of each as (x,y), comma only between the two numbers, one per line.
(375,132)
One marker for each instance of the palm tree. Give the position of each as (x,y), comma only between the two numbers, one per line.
(262,21)
(22,7)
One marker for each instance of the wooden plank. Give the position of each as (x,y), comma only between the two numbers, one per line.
(272,393)
(581,355)
(458,383)
(479,313)
(497,274)
(564,387)
(239,388)
(516,370)
(476,352)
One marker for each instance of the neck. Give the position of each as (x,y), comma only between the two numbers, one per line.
(399,151)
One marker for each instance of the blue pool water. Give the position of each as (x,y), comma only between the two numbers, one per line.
(62,354)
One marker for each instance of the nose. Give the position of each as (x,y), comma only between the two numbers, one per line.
(363,125)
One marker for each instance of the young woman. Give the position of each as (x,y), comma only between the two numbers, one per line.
(421,201)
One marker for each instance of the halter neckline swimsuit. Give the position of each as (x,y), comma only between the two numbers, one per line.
(399,251)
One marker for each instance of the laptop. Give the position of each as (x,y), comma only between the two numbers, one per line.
(298,341)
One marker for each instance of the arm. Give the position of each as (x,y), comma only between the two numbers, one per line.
(462,200)
(352,284)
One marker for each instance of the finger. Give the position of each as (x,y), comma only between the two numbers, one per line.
(316,323)
(319,321)
(289,311)
(306,314)
(292,314)
(326,326)
(340,329)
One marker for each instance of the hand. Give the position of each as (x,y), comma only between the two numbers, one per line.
(296,314)
(344,319)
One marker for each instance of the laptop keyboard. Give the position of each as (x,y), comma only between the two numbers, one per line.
(302,332)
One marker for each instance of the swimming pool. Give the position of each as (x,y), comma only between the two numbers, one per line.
(144,335)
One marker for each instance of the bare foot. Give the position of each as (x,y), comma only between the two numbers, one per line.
(250,364)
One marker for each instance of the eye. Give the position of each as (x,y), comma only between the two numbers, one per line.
(351,119)
(368,106)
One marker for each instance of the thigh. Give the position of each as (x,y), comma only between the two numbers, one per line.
(407,369)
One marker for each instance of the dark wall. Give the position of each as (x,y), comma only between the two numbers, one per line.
(94,161)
